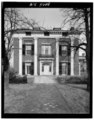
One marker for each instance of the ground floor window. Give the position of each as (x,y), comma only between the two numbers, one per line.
(28,68)
(83,68)
(64,68)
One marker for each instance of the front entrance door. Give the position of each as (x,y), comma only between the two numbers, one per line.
(46,68)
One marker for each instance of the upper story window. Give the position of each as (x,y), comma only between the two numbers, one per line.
(46,49)
(28,49)
(63,49)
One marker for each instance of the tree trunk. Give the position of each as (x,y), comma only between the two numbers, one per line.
(87,47)
(88,70)
(6,79)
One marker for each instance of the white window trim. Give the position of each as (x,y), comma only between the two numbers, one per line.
(43,49)
(27,64)
(27,49)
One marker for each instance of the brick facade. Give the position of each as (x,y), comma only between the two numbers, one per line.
(16,54)
(64,57)
(52,42)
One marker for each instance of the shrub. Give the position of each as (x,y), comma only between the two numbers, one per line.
(18,79)
(6,79)
(15,78)
(12,73)
(76,80)
(61,79)
(72,79)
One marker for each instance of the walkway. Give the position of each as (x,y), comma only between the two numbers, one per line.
(44,79)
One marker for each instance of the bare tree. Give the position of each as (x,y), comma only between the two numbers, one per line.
(14,20)
(79,19)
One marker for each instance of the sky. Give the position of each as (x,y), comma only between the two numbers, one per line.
(45,17)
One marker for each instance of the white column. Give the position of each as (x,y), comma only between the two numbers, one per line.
(20,56)
(72,57)
(79,68)
(35,56)
(57,56)
(12,58)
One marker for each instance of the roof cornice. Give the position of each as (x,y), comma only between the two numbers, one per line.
(22,31)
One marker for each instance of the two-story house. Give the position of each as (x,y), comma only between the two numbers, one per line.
(39,52)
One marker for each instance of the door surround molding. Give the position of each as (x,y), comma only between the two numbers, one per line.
(46,61)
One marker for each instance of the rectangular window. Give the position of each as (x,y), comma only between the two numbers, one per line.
(28,49)
(63,50)
(29,68)
(46,49)
(63,68)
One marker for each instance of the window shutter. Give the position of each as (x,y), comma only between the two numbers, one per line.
(60,68)
(32,49)
(23,68)
(23,49)
(32,68)
(68,68)
(69,50)
(60,52)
